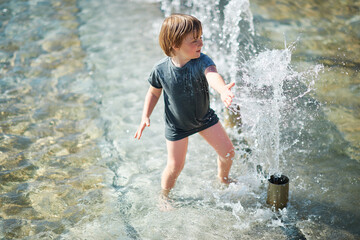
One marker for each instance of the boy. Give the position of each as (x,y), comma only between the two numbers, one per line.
(184,77)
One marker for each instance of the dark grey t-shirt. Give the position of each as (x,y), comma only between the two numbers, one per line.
(186,96)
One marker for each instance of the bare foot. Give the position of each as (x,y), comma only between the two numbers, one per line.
(165,203)
(226,180)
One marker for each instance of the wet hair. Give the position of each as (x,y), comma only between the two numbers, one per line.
(175,28)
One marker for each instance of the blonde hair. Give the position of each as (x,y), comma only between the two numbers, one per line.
(175,28)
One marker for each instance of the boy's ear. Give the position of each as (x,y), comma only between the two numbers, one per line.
(175,48)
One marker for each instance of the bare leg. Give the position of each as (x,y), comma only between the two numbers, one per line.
(217,137)
(175,163)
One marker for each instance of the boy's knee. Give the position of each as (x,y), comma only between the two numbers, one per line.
(176,168)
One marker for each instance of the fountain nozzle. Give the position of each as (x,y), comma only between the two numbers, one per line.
(278,191)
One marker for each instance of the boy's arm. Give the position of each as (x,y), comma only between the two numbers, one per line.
(217,82)
(151,99)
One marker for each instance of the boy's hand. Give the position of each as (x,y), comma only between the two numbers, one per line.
(144,123)
(227,95)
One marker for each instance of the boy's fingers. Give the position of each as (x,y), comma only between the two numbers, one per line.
(230,85)
(228,101)
(141,128)
(137,134)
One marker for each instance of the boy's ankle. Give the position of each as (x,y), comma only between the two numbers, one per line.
(165,193)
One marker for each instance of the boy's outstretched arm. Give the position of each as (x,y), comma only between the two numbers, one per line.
(217,82)
(151,99)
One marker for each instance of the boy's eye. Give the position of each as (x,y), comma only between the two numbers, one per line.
(198,39)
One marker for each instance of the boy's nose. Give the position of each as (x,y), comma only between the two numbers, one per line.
(201,43)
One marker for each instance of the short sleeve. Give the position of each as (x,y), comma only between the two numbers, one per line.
(154,79)
(206,62)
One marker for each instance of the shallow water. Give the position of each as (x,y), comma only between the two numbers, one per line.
(73,81)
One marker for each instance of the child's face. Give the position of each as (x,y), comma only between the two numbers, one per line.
(190,47)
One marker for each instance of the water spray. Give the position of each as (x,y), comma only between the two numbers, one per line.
(261,103)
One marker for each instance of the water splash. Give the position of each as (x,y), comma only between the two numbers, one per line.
(264,104)
(260,104)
